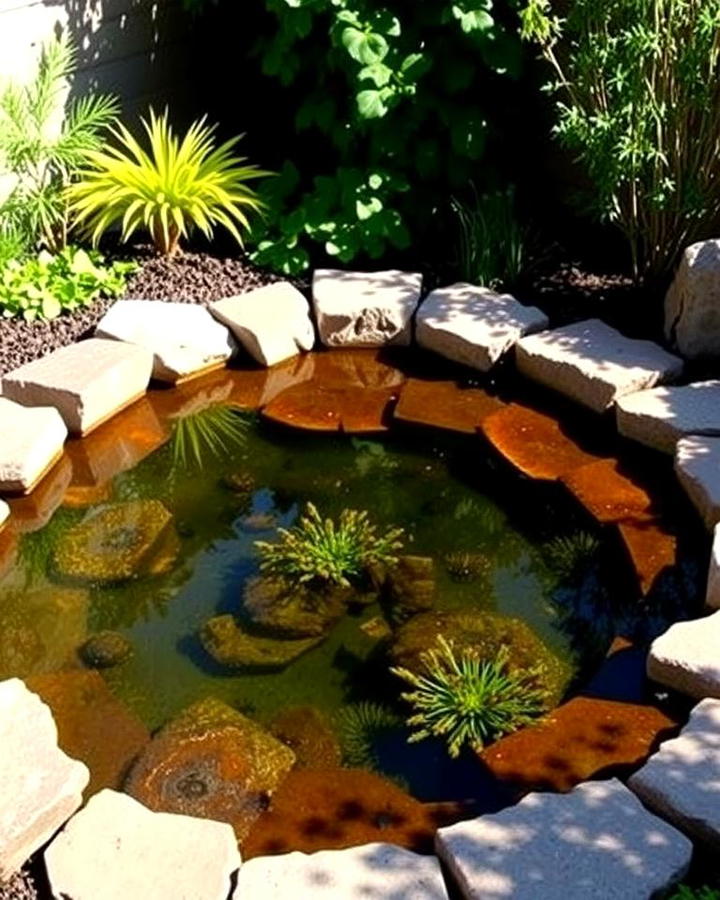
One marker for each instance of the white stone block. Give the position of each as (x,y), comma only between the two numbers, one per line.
(712,596)
(692,304)
(697,465)
(687,657)
(31,440)
(365,309)
(594,364)
(474,325)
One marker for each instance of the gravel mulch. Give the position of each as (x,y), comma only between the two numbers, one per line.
(187,277)
(21,887)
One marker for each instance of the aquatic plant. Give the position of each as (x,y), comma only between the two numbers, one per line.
(464,565)
(215,431)
(467,700)
(359,727)
(322,549)
(571,555)
(684,892)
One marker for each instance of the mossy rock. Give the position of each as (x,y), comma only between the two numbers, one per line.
(242,482)
(411,585)
(230,644)
(106,649)
(117,542)
(276,608)
(486,633)
(310,736)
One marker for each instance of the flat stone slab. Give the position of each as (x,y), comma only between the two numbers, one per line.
(314,407)
(661,416)
(365,309)
(372,872)
(652,550)
(596,842)
(32,441)
(86,382)
(272,322)
(594,364)
(697,465)
(184,338)
(686,657)
(681,783)
(444,404)
(534,443)
(41,786)
(474,325)
(712,597)
(608,494)
(116,849)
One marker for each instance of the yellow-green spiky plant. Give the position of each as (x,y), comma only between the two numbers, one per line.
(177,185)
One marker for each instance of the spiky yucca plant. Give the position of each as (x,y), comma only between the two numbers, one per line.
(318,548)
(177,185)
(467,700)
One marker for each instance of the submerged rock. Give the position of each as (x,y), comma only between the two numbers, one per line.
(211,762)
(231,645)
(106,649)
(241,482)
(411,585)
(118,542)
(485,633)
(309,734)
(280,609)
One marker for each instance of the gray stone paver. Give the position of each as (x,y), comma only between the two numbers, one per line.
(681,782)
(687,657)
(596,843)
(697,466)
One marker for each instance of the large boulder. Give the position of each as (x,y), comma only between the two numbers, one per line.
(212,762)
(87,382)
(359,873)
(692,304)
(686,657)
(660,417)
(697,465)
(32,440)
(474,325)
(184,338)
(272,322)
(365,309)
(40,787)
(594,364)
(116,849)
(598,842)
(680,782)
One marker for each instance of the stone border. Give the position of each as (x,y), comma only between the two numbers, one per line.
(598,482)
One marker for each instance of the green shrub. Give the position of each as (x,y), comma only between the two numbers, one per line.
(43,286)
(396,107)
(176,186)
(41,157)
(467,700)
(322,549)
(638,86)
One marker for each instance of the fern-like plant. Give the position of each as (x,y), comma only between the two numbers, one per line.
(176,185)
(322,549)
(467,700)
(41,149)
(212,432)
(360,725)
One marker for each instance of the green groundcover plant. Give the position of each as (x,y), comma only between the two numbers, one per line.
(176,185)
(43,286)
(637,84)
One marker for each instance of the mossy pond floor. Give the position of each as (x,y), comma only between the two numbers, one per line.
(500,545)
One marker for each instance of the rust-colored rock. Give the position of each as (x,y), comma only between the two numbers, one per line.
(93,725)
(534,443)
(309,735)
(356,368)
(652,550)
(608,494)
(8,548)
(444,404)
(332,809)
(315,406)
(82,496)
(584,738)
(34,511)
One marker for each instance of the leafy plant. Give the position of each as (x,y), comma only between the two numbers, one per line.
(41,153)
(322,549)
(43,286)
(360,726)
(571,555)
(175,186)
(215,431)
(638,91)
(492,245)
(684,892)
(467,700)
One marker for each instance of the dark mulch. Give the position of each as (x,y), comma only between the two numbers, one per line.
(188,277)
(21,887)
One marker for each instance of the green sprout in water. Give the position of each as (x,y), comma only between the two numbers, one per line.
(322,549)
(360,725)
(213,432)
(572,555)
(467,700)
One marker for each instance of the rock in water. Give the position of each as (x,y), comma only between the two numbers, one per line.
(411,585)
(232,645)
(106,649)
(310,736)
(211,762)
(282,610)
